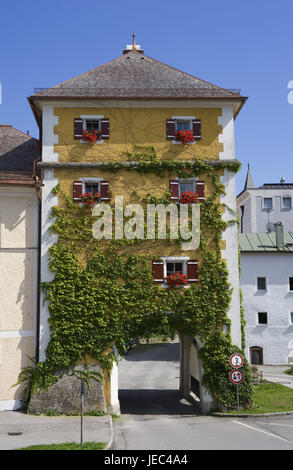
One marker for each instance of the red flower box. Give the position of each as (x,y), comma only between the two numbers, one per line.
(90,199)
(176,280)
(184,136)
(91,136)
(188,197)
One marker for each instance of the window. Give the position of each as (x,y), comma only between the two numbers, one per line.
(291,283)
(179,186)
(187,185)
(262,318)
(261,283)
(268,203)
(92,123)
(183,123)
(287,203)
(291,318)
(174,267)
(91,187)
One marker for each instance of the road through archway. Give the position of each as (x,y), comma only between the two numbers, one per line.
(149,376)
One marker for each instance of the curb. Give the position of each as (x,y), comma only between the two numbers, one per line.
(226,415)
(111,439)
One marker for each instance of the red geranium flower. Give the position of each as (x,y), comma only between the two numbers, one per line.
(90,199)
(188,197)
(184,136)
(176,280)
(91,136)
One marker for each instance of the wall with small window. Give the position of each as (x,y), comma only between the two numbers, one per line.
(267,286)
(269,207)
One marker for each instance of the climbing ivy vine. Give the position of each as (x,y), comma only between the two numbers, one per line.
(101,295)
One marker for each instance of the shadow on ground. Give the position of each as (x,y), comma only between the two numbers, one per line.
(155,402)
(153,352)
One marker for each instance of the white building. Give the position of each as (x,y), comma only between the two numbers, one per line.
(267,286)
(260,208)
(19,259)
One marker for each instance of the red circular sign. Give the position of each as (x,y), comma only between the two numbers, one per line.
(236,376)
(236,360)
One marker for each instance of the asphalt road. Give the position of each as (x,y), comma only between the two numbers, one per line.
(154,417)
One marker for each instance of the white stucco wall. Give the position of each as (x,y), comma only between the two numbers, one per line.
(230,254)
(18,287)
(276,337)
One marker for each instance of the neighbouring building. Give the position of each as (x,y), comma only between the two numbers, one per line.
(265,218)
(134,102)
(19,259)
(260,208)
(267,286)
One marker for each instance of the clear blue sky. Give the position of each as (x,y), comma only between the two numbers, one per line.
(247,45)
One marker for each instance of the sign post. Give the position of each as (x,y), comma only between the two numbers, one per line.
(81,411)
(236,375)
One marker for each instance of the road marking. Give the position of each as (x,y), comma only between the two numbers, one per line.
(260,430)
(278,424)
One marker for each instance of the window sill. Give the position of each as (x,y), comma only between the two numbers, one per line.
(92,143)
(186,143)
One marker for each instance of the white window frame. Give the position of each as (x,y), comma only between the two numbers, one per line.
(89,181)
(286,208)
(174,259)
(263,203)
(91,117)
(183,118)
(186,180)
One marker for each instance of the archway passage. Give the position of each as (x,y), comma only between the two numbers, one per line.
(149,380)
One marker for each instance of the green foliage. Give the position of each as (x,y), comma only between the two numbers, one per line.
(101,296)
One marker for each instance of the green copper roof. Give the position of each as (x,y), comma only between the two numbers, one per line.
(264,242)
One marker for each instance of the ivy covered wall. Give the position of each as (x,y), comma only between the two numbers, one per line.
(103,292)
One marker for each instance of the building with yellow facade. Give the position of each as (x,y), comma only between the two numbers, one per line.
(135,106)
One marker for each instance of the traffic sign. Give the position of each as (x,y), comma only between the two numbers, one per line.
(236,360)
(236,376)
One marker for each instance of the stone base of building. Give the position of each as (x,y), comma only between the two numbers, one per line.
(64,397)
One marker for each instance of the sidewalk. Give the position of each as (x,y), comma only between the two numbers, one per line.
(37,430)
(275,374)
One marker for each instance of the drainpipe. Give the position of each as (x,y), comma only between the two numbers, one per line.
(279,235)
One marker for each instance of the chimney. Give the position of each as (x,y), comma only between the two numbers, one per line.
(27,132)
(279,235)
